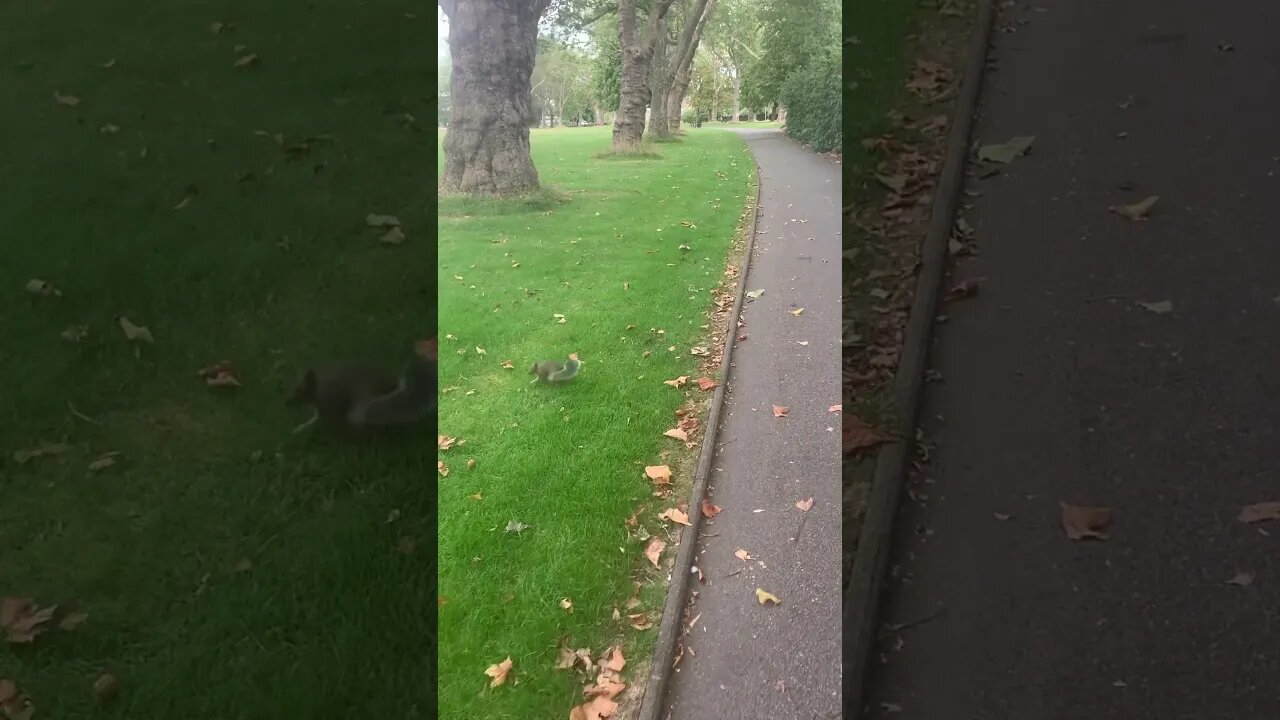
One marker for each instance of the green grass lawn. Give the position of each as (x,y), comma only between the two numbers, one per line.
(229,570)
(603,252)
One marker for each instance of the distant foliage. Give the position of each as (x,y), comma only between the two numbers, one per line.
(812,97)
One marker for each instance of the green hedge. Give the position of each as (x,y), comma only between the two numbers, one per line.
(812,98)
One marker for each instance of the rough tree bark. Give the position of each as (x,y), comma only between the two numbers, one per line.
(737,95)
(633,96)
(493,44)
(683,75)
(683,57)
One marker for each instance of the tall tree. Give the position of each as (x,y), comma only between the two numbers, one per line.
(637,52)
(794,34)
(679,84)
(671,62)
(733,36)
(493,44)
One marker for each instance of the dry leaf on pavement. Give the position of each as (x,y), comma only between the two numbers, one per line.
(965,288)
(1259,512)
(1085,522)
(804,505)
(765,598)
(1242,578)
(1137,211)
(1161,307)
(709,510)
(780,411)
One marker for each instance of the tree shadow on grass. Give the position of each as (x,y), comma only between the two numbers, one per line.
(541,200)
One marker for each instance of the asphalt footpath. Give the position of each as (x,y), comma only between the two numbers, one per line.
(1106,362)
(742,659)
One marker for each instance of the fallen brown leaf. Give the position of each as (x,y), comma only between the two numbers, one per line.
(135,332)
(499,672)
(678,434)
(605,687)
(804,505)
(675,515)
(104,461)
(855,435)
(1085,522)
(835,408)
(743,554)
(1137,211)
(598,708)
(444,442)
(247,60)
(382,221)
(659,474)
(442,468)
(613,660)
(507,365)
(705,384)
(709,510)
(22,457)
(654,549)
(566,604)
(1160,307)
(1260,512)
(678,382)
(106,687)
(67,100)
(780,411)
(1242,578)
(72,620)
(639,621)
(965,288)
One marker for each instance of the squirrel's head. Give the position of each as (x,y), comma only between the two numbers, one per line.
(305,392)
(533,369)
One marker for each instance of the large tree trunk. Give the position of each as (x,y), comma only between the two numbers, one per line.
(683,75)
(683,57)
(492,44)
(597,114)
(633,96)
(737,95)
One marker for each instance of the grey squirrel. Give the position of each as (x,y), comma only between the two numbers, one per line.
(556,371)
(357,396)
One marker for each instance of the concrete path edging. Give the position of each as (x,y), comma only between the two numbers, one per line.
(660,669)
(865,587)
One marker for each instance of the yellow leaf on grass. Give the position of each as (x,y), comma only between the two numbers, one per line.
(678,382)
(678,434)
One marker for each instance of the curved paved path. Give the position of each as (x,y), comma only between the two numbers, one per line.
(742,659)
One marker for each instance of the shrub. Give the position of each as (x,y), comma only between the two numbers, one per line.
(812,97)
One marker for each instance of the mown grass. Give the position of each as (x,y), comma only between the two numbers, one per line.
(228,569)
(568,460)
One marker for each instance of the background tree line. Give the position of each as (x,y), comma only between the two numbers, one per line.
(644,66)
